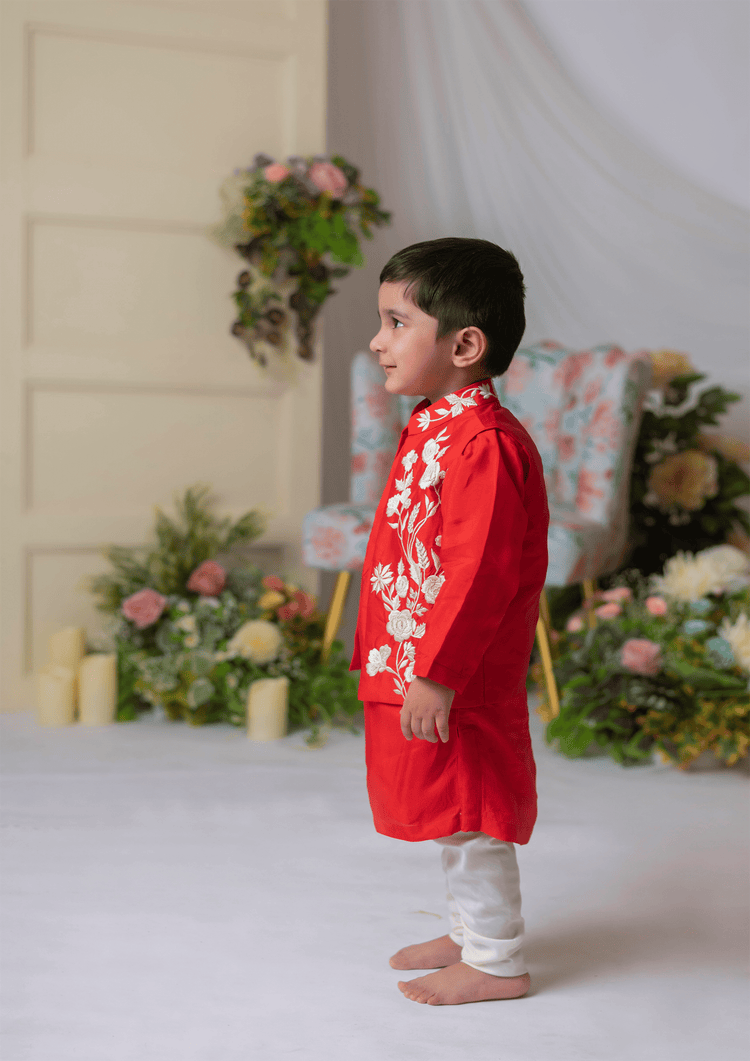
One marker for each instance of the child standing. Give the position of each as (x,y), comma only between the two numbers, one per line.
(454,570)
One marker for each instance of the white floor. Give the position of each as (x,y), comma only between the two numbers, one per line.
(179,894)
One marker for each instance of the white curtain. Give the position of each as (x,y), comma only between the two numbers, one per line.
(478,130)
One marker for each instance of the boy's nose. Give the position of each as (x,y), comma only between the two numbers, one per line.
(375,344)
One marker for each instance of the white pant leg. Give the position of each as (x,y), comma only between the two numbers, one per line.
(484,895)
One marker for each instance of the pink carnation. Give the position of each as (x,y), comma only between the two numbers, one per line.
(288,611)
(608,611)
(574,624)
(656,605)
(275,172)
(208,579)
(328,178)
(144,607)
(306,603)
(641,656)
(617,594)
(273,582)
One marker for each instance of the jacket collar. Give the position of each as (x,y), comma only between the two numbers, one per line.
(427,416)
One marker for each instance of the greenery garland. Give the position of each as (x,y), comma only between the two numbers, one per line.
(290,222)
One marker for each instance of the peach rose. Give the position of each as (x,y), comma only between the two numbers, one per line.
(273,582)
(641,656)
(305,603)
(656,605)
(617,594)
(328,178)
(208,579)
(276,172)
(574,624)
(144,607)
(686,479)
(608,611)
(288,611)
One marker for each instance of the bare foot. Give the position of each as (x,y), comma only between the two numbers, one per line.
(434,954)
(461,983)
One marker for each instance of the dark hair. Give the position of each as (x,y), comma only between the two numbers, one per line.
(465,283)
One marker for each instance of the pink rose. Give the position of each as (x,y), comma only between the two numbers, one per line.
(608,611)
(617,594)
(144,607)
(574,624)
(305,602)
(641,656)
(273,582)
(288,611)
(275,172)
(656,605)
(328,178)
(208,579)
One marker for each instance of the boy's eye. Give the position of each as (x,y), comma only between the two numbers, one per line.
(397,323)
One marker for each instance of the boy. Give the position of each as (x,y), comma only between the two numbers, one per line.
(455,566)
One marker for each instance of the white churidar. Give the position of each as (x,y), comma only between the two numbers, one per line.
(484,900)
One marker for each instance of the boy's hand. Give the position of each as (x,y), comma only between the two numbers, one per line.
(427,706)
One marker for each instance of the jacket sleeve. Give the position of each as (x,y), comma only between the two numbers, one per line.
(484,524)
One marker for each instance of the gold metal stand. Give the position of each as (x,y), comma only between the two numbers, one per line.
(589,589)
(545,651)
(335,612)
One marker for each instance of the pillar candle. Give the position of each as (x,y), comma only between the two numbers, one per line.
(56,695)
(267,705)
(97,689)
(67,647)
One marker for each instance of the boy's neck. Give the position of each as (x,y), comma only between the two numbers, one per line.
(457,383)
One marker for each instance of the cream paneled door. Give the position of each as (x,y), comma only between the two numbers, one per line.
(121,383)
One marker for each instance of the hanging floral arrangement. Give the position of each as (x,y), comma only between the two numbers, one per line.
(297,224)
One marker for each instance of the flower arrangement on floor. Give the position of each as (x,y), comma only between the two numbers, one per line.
(192,634)
(685,481)
(291,221)
(665,667)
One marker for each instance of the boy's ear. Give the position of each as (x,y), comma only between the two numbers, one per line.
(470,346)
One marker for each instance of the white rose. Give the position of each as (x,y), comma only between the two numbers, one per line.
(431,587)
(430,451)
(187,622)
(688,578)
(377,660)
(738,636)
(402,585)
(409,459)
(400,625)
(257,640)
(430,476)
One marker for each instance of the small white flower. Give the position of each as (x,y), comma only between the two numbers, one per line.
(409,650)
(183,606)
(409,459)
(232,681)
(377,661)
(400,625)
(381,578)
(393,503)
(192,641)
(402,585)
(432,587)
(431,476)
(211,602)
(187,623)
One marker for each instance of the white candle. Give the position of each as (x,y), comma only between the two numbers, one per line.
(67,647)
(97,689)
(267,706)
(56,695)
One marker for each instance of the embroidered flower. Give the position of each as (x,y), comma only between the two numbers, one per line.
(409,673)
(430,450)
(402,585)
(377,661)
(432,586)
(431,476)
(393,503)
(459,402)
(381,577)
(409,459)
(424,419)
(400,625)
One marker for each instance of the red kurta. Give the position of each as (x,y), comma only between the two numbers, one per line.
(451,581)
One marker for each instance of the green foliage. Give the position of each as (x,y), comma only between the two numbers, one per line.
(658,532)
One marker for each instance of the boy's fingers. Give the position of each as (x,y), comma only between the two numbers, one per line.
(406,722)
(443,728)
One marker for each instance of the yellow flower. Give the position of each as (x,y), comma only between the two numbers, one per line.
(666,364)
(734,449)
(738,636)
(257,640)
(271,599)
(686,479)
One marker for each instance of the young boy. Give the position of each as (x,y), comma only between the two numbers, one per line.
(450,595)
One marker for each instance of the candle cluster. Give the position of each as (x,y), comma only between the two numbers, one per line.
(75,684)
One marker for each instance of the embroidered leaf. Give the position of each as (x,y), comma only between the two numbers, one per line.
(413,516)
(424,563)
(416,573)
(419,632)
(436,560)
(401,567)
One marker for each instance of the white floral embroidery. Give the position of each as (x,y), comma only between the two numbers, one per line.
(456,404)
(418,578)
